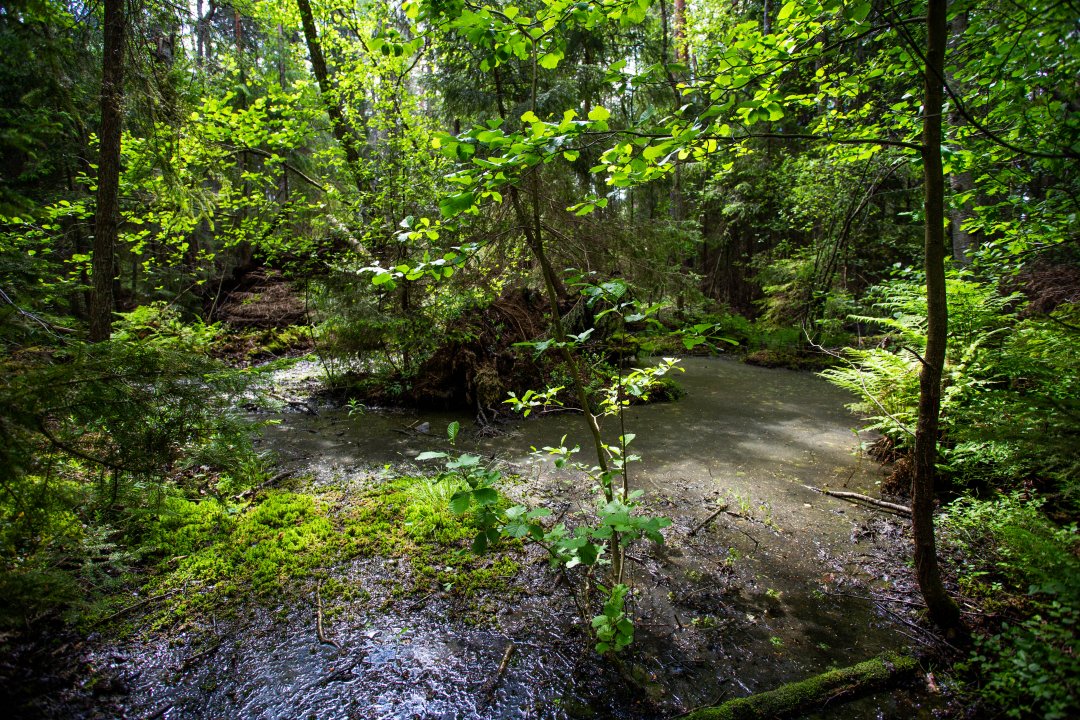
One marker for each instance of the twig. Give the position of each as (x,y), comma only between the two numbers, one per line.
(129,608)
(706,521)
(502,668)
(263,485)
(318,619)
(900,509)
(199,656)
(161,711)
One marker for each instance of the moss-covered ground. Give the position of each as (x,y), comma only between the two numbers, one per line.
(219,555)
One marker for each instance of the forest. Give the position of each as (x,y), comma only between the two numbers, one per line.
(540,358)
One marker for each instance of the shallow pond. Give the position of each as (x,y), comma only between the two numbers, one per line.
(771,591)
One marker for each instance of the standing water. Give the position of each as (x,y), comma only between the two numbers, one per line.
(771,590)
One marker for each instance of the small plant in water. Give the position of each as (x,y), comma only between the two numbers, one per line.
(613,628)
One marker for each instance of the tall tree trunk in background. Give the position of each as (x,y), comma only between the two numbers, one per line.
(943,611)
(963,241)
(333,109)
(681,53)
(107,213)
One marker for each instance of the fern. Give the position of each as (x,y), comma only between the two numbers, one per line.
(1010,407)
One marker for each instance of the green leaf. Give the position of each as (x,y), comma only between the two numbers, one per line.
(485,496)
(588,553)
(480,543)
(430,455)
(551,60)
(529,117)
(456,204)
(599,114)
(860,11)
(460,501)
(464,461)
(785,12)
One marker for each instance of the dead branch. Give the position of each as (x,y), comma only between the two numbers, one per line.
(263,485)
(723,508)
(129,608)
(318,619)
(502,668)
(884,505)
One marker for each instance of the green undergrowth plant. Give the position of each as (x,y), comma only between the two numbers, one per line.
(1009,411)
(1023,570)
(93,439)
(159,324)
(596,548)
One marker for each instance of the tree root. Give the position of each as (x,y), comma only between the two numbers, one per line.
(798,697)
(884,505)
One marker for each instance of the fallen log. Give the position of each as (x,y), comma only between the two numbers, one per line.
(805,695)
(883,504)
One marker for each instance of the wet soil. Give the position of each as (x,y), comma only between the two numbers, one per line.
(778,587)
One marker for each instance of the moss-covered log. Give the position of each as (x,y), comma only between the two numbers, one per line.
(796,697)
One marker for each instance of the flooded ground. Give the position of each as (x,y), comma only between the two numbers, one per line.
(774,589)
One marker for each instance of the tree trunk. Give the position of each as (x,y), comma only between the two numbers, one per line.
(333,108)
(943,611)
(963,241)
(106,214)
(681,50)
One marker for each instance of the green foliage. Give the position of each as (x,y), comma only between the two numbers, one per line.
(159,325)
(92,440)
(1031,669)
(1008,543)
(613,628)
(1016,561)
(228,552)
(1009,403)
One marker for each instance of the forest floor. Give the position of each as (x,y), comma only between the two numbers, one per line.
(346,589)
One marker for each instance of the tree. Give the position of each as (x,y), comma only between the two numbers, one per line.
(943,611)
(106,216)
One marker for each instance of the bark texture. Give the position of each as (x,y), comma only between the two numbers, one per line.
(106,215)
(943,611)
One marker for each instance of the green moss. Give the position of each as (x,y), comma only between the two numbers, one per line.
(287,537)
(796,697)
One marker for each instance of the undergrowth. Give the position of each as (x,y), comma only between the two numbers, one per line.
(1022,570)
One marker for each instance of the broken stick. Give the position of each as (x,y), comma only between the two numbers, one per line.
(502,668)
(723,508)
(318,619)
(884,505)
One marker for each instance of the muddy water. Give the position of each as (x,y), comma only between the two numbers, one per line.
(765,593)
